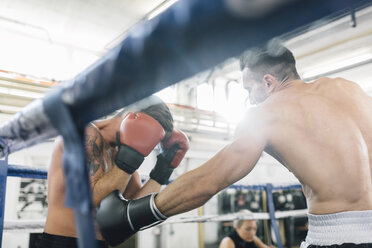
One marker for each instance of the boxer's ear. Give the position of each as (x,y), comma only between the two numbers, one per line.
(270,82)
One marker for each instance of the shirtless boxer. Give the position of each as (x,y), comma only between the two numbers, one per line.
(138,134)
(321,131)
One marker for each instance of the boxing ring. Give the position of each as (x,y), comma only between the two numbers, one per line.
(190,37)
(40,173)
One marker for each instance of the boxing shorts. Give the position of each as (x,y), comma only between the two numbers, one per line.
(344,229)
(57,241)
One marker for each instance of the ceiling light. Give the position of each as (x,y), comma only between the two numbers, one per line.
(336,64)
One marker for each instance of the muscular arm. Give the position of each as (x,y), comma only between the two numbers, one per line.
(115,179)
(151,186)
(134,185)
(229,165)
(105,176)
(135,190)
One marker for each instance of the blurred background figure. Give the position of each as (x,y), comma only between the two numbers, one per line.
(244,234)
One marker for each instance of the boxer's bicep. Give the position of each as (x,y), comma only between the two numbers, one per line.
(237,159)
(94,154)
(232,163)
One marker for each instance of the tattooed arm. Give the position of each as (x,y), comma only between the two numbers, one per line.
(105,177)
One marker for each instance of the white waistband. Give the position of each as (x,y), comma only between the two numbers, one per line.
(336,229)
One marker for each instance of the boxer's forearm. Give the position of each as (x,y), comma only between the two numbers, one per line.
(134,185)
(150,186)
(115,179)
(185,193)
(194,188)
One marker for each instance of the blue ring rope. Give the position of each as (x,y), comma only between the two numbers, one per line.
(27,172)
(41,173)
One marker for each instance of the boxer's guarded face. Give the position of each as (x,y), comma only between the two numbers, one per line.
(258,90)
(247,230)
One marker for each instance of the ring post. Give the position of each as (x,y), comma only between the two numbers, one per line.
(270,204)
(3,177)
(78,192)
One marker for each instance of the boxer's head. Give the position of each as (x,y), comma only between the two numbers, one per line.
(264,69)
(162,114)
(154,107)
(246,228)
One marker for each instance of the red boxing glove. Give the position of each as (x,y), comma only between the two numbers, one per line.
(179,138)
(139,134)
(174,149)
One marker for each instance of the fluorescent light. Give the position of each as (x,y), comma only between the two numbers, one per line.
(161,8)
(9,109)
(338,63)
(20,93)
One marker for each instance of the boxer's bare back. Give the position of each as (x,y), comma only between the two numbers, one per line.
(321,131)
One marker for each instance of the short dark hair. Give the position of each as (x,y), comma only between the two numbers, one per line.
(154,107)
(276,60)
(162,114)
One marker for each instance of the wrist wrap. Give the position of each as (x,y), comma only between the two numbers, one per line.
(128,159)
(163,169)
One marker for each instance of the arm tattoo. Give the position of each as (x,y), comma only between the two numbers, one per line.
(94,152)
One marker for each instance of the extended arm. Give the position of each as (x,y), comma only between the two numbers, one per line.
(189,191)
(149,187)
(229,165)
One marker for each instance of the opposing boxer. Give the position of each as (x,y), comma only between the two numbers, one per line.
(115,149)
(321,131)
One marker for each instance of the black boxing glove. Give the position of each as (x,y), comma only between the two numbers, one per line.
(173,151)
(118,219)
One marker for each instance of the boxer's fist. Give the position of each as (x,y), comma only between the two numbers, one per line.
(180,139)
(118,220)
(138,135)
(173,151)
